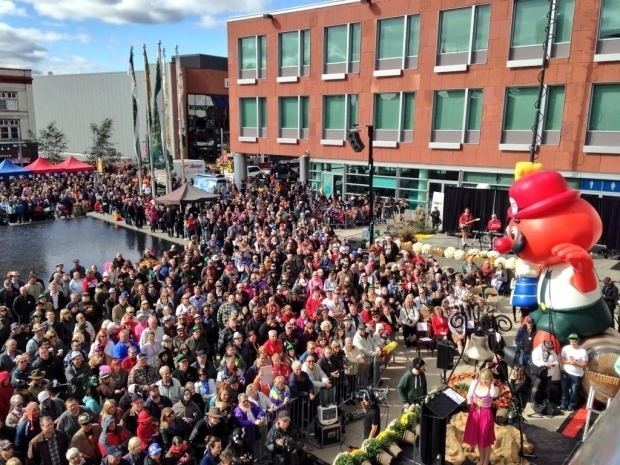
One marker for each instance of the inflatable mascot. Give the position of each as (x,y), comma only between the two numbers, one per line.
(553,229)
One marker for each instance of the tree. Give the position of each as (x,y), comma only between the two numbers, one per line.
(102,147)
(52,142)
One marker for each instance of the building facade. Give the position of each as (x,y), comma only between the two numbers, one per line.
(16,115)
(77,100)
(449,86)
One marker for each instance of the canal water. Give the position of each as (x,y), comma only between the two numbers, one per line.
(40,246)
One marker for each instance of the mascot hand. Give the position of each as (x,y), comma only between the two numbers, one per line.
(579,258)
(584,277)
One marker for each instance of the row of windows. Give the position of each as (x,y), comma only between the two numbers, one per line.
(8,101)
(9,129)
(456,119)
(463,39)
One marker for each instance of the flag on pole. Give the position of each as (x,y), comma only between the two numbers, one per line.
(156,120)
(136,131)
(180,109)
(147,78)
(164,120)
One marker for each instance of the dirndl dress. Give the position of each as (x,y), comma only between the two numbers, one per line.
(480,426)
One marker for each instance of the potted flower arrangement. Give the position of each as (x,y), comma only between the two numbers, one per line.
(375,450)
(359,457)
(389,438)
(344,458)
(404,435)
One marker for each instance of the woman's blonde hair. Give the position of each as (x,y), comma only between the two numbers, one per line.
(486,373)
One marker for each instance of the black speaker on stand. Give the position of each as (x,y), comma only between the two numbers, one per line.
(445,357)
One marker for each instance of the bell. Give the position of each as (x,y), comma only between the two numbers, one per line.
(478,347)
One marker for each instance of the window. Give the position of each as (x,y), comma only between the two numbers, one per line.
(603,134)
(252,59)
(393,118)
(9,129)
(293,117)
(340,113)
(608,44)
(520,115)
(529,31)
(294,55)
(463,38)
(342,50)
(8,101)
(457,115)
(253,116)
(398,42)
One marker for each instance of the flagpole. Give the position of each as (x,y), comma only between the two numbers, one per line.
(134,105)
(147,78)
(162,118)
(181,111)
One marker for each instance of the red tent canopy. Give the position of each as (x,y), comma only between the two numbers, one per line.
(41,166)
(72,165)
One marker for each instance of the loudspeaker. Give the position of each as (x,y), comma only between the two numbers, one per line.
(355,141)
(445,356)
(328,434)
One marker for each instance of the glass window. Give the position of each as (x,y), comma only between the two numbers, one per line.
(356,39)
(610,20)
(413,35)
(455,29)
(288,112)
(248,112)
(530,21)
(391,38)
(481,38)
(262,111)
(353,110)
(247,45)
(262,44)
(605,109)
(564,20)
(474,114)
(289,49)
(408,110)
(520,112)
(305,39)
(387,111)
(449,107)
(304,112)
(555,108)
(336,44)
(333,111)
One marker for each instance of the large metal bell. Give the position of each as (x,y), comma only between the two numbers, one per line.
(478,347)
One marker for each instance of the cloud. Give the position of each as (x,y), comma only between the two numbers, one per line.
(142,11)
(25,47)
(8,8)
(70,64)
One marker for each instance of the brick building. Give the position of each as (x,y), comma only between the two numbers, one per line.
(449,85)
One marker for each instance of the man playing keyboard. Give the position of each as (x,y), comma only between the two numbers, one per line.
(494,225)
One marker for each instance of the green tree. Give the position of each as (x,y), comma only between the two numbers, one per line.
(101,146)
(52,142)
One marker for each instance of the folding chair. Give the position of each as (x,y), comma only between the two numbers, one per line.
(424,337)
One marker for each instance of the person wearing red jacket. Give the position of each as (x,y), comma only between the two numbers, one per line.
(273,344)
(439,324)
(6,391)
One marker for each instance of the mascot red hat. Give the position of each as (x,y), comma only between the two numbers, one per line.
(538,194)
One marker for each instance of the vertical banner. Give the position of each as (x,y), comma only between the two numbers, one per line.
(180,110)
(164,122)
(136,131)
(147,78)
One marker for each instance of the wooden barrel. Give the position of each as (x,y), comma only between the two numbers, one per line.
(603,353)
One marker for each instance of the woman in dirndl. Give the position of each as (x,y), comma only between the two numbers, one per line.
(480,426)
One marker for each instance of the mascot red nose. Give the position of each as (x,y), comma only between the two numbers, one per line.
(553,227)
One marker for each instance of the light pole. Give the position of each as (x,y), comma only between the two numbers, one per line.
(353,137)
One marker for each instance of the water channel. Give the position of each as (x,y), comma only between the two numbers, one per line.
(40,246)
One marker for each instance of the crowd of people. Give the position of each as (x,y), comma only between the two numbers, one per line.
(219,351)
